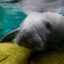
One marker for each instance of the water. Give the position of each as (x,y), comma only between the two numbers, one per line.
(10,17)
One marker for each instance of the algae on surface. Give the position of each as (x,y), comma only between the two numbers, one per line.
(13,54)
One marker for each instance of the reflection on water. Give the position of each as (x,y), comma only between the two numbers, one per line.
(10,17)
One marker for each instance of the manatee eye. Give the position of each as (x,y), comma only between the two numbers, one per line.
(48,26)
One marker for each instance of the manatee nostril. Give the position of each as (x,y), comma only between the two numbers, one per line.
(23,38)
(48,26)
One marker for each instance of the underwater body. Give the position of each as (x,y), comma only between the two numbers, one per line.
(11,19)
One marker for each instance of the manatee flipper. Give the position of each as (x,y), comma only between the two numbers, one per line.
(10,36)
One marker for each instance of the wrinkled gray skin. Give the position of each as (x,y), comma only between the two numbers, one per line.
(37,28)
(40,28)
